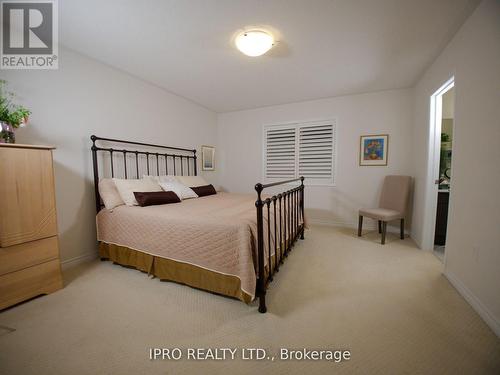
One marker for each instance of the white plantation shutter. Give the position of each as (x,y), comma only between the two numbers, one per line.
(295,150)
(316,151)
(280,152)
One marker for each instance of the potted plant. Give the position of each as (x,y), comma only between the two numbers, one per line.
(12,116)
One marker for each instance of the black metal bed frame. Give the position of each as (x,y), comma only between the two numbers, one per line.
(285,211)
(178,161)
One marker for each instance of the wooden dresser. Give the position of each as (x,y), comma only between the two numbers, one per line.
(29,249)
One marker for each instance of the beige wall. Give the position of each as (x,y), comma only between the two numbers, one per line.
(448,112)
(448,104)
(473,242)
(387,112)
(86,97)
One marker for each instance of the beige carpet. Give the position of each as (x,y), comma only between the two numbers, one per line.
(389,305)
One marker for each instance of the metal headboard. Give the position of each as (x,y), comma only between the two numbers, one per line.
(182,162)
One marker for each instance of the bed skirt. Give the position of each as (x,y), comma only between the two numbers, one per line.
(171,270)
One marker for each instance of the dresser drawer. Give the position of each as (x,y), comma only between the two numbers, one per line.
(17,257)
(30,282)
(27,207)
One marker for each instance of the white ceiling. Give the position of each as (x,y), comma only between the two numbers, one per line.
(327,47)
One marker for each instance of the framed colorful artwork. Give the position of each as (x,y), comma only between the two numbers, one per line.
(373,149)
(207,158)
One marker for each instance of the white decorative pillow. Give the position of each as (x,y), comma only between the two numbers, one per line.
(183,192)
(162,178)
(168,178)
(192,181)
(126,188)
(109,194)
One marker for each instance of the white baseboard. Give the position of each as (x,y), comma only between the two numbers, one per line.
(476,304)
(78,260)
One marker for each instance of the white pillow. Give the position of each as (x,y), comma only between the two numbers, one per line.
(183,192)
(126,188)
(192,181)
(163,178)
(109,194)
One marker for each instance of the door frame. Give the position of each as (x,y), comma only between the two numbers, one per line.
(433,159)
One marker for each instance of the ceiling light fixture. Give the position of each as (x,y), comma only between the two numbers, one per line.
(254,42)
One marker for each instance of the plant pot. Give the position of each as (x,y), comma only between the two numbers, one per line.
(7,133)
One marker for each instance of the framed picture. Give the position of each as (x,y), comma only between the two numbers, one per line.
(207,158)
(373,149)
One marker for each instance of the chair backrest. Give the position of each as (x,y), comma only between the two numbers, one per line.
(395,193)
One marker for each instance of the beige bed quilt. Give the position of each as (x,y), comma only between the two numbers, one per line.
(217,233)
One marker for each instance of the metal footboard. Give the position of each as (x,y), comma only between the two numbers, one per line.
(281,215)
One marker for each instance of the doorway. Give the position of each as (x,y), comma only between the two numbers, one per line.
(442,114)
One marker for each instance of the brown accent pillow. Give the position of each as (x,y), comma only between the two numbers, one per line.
(203,191)
(155,197)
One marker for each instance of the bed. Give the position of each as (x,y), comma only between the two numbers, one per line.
(230,244)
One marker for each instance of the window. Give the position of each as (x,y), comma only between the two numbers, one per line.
(303,149)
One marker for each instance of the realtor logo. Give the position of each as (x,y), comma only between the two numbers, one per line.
(29,35)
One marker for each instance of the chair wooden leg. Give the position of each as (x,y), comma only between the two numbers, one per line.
(360,225)
(384,231)
(402,229)
(380,226)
